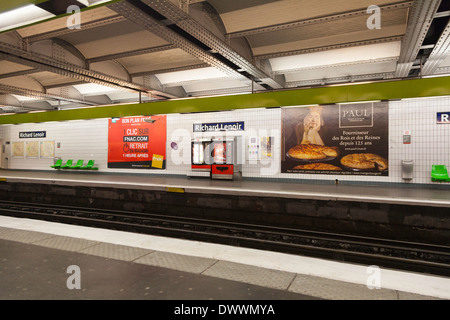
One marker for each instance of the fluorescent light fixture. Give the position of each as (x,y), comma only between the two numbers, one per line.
(216,84)
(93,2)
(93,89)
(348,84)
(423,98)
(84,2)
(370,52)
(23,98)
(123,95)
(437,75)
(299,106)
(358,102)
(22,16)
(191,75)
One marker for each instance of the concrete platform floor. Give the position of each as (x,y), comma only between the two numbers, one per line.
(36,259)
(39,273)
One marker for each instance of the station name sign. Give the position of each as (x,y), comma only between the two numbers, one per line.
(32,134)
(219,126)
(443,117)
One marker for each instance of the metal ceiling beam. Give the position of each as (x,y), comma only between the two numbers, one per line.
(192,38)
(325,48)
(39,95)
(64,31)
(45,63)
(141,18)
(167,70)
(189,82)
(226,91)
(344,79)
(184,21)
(66,46)
(439,53)
(322,19)
(18,73)
(354,65)
(131,53)
(442,14)
(419,22)
(62,85)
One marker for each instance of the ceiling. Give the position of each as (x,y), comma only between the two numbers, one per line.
(132,51)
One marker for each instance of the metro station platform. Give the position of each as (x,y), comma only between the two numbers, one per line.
(126,265)
(35,257)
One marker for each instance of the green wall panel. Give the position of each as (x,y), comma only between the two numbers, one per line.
(324,95)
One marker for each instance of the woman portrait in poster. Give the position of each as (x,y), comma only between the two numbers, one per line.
(310,127)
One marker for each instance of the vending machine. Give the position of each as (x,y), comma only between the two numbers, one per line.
(217,158)
(226,158)
(200,161)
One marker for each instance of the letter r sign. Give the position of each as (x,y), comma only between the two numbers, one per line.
(443,117)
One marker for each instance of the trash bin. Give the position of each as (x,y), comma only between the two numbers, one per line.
(407,169)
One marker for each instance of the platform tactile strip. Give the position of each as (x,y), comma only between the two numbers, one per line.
(115,251)
(250,274)
(176,261)
(338,290)
(66,243)
(23,236)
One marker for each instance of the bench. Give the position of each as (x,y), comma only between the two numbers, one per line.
(439,173)
(78,166)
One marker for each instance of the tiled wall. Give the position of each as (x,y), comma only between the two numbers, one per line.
(430,142)
(258,122)
(88,139)
(79,139)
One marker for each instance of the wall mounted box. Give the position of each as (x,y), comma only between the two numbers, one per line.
(407,169)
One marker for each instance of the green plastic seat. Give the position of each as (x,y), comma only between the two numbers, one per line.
(439,173)
(57,164)
(89,166)
(78,165)
(68,164)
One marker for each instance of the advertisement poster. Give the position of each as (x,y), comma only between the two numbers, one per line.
(219,152)
(350,139)
(137,142)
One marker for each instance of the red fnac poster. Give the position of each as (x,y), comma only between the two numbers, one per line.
(137,142)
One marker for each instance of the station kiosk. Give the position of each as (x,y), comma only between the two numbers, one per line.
(218,158)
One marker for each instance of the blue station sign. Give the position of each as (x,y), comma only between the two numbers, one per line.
(32,134)
(219,126)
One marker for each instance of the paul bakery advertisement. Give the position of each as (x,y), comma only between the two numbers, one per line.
(137,142)
(350,139)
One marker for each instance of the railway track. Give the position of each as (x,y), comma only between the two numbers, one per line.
(401,255)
